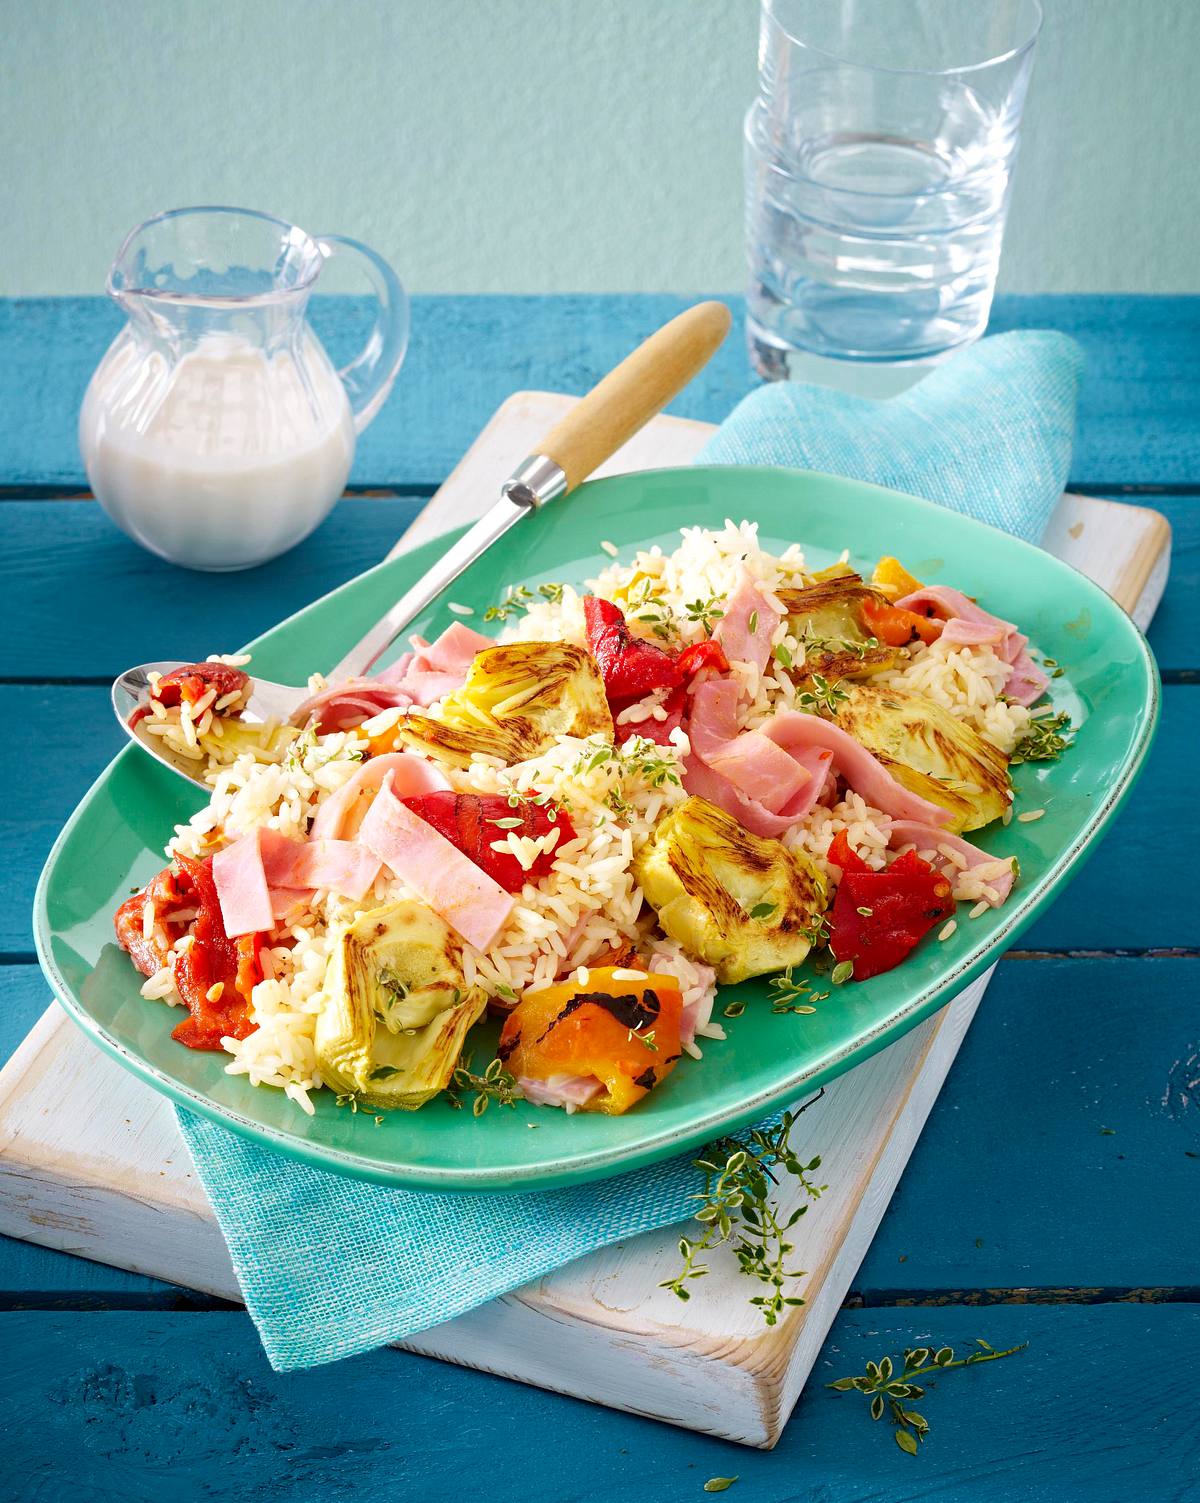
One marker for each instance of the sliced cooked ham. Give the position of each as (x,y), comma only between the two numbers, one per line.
(428,673)
(1026,681)
(560,1090)
(341,866)
(926,838)
(340,815)
(264,876)
(759,769)
(772,777)
(453,652)
(700,780)
(242,888)
(749,622)
(965,633)
(865,774)
(453,886)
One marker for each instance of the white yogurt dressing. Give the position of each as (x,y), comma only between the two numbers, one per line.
(222,460)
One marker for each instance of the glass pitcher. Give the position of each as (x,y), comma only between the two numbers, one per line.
(216,431)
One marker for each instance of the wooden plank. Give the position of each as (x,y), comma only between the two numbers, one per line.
(1065,1148)
(130,1408)
(1103,908)
(1136,423)
(69,550)
(71,553)
(1173,634)
(1020,1198)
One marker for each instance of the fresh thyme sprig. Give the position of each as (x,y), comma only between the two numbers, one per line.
(812,644)
(788,994)
(644,758)
(519,598)
(704,612)
(652,608)
(822,696)
(1044,741)
(736,1208)
(889,1390)
(495,1084)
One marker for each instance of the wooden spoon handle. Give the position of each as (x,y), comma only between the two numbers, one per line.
(635,391)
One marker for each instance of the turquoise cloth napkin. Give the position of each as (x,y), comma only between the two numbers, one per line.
(329,1266)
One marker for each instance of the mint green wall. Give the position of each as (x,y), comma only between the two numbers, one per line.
(536,145)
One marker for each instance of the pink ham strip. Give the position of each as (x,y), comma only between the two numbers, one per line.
(772,777)
(453,652)
(971,633)
(733,629)
(342,866)
(560,1090)
(868,777)
(926,838)
(454,887)
(756,767)
(242,888)
(412,774)
(702,782)
(430,672)
(264,876)
(1026,681)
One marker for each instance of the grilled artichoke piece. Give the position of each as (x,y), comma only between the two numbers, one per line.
(830,614)
(742,904)
(396,1008)
(931,752)
(517,698)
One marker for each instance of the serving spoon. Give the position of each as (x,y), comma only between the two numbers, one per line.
(595,428)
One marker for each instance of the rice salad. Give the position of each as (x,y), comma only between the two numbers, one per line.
(710,763)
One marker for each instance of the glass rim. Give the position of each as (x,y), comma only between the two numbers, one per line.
(1039,16)
(117,288)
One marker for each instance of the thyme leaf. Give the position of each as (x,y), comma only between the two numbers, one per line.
(823,696)
(1045,740)
(495,1084)
(736,1208)
(889,1390)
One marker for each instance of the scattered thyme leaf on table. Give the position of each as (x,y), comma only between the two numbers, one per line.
(736,1207)
(890,1391)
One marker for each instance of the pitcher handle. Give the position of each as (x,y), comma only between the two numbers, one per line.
(369,376)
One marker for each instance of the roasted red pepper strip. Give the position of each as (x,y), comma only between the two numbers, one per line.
(630,667)
(650,729)
(214,958)
(165,895)
(194,680)
(471,821)
(842,854)
(699,655)
(879,917)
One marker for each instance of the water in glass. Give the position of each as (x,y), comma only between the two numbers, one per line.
(875,204)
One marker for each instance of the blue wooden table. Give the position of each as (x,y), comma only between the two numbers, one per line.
(1052,1199)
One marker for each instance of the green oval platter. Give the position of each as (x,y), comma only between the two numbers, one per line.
(114,839)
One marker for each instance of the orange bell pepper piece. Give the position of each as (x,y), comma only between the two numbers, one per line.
(623,1032)
(897,627)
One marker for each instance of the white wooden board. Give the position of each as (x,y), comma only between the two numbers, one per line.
(112,1181)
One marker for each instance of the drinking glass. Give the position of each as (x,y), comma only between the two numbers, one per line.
(879,154)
